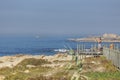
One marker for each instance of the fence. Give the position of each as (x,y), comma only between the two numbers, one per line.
(113,55)
(93,51)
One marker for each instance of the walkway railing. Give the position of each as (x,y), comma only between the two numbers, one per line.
(113,55)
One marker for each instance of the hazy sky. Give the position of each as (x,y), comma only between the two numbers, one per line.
(59,16)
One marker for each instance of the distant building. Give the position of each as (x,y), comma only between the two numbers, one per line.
(110,35)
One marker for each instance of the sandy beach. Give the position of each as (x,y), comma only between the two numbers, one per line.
(11,61)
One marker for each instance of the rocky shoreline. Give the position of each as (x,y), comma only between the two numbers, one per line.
(104,37)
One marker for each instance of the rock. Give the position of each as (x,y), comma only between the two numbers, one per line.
(14,73)
(100,69)
(96,62)
(2,77)
(26,71)
(30,66)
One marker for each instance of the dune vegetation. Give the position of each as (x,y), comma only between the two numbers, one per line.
(92,68)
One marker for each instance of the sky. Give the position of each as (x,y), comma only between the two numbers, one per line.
(27,17)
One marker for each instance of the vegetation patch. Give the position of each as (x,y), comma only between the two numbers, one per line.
(5,71)
(103,75)
(48,78)
(93,68)
(33,61)
(21,72)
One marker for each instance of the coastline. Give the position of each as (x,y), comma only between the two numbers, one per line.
(75,40)
(105,38)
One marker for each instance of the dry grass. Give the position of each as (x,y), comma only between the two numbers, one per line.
(96,68)
(98,64)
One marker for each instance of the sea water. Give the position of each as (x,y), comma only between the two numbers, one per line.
(13,45)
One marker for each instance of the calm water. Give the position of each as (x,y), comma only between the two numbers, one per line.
(35,46)
(31,45)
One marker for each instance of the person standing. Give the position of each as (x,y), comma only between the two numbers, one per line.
(111,46)
(99,40)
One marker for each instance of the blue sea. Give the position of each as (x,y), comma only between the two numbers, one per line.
(12,45)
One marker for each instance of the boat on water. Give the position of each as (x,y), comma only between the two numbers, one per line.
(61,50)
